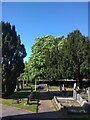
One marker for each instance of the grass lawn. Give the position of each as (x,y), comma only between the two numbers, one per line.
(53,87)
(57,88)
(22,94)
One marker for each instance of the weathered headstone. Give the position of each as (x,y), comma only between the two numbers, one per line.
(74,92)
(89,95)
(74,95)
(63,87)
(47,87)
(74,86)
(60,87)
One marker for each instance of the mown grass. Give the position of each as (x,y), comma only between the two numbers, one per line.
(53,87)
(32,107)
(22,94)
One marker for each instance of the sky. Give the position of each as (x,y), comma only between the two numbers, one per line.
(38,19)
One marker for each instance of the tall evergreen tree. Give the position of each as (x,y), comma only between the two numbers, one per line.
(13,53)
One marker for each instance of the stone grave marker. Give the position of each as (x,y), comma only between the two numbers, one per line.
(74,92)
(89,95)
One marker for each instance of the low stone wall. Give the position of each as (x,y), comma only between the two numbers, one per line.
(81,101)
(77,96)
(58,103)
(72,110)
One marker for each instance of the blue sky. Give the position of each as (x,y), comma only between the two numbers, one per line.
(37,19)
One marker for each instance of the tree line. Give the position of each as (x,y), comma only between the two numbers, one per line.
(52,58)
(56,58)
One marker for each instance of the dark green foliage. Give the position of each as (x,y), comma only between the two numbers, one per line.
(78,56)
(60,58)
(25,74)
(13,53)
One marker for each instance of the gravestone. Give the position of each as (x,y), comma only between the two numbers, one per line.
(63,87)
(74,95)
(29,97)
(47,87)
(89,95)
(75,86)
(74,92)
(60,88)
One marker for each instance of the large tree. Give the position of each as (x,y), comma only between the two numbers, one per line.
(60,58)
(13,53)
(43,63)
(77,56)
(36,64)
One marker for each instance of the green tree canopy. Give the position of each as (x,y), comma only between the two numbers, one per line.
(60,58)
(13,53)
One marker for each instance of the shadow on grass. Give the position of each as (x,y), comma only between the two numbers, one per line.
(35,95)
(62,94)
(50,94)
(19,95)
(33,103)
(22,93)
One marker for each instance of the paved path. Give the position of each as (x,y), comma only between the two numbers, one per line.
(46,110)
(47,107)
(11,111)
(46,104)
